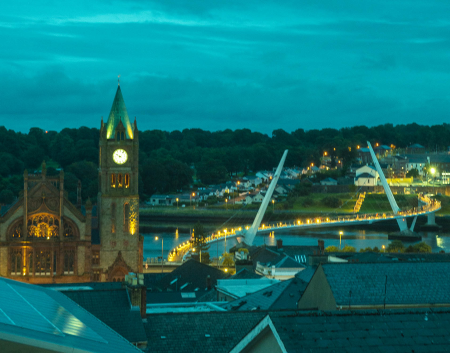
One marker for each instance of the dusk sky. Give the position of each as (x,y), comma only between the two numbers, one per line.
(214,65)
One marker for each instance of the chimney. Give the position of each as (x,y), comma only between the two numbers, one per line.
(79,194)
(137,292)
(279,244)
(321,244)
(208,282)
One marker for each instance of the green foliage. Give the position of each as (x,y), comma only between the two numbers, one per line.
(6,197)
(227,260)
(395,246)
(412,173)
(331,248)
(418,248)
(348,248)
(375,249)
(368,249)
(244,250)
(199,238)
(309,201)
(332,202)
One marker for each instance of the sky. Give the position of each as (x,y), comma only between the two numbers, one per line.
(215,65)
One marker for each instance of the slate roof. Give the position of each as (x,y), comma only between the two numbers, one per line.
(245,274)
(365,175)
(114,309)
(416,145)
(151,279)
(364,331)
(173,297)
(83,286)
(38,316)
(403,283)
(199,332)
(193,274)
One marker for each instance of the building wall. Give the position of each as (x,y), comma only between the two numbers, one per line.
(265,342)
(318,294)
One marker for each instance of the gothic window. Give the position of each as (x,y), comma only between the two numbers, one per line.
(119,180)
(68,230)
(43,226)
(17,231)
(127,181)
(113,217)
(43,261)
(96,257)
(16,262)
(126,217)
(113,180)
(69,262)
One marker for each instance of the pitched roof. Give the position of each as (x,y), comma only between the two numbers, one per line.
(365,175)
(114,309)
(245,274)
(189,277)
(198,332)
(366,331)
(389,282)
(416,145)
(118,113)
(41,317)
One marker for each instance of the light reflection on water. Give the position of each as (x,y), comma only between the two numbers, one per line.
(353,237)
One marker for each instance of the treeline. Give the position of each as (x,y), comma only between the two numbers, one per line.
(172,161)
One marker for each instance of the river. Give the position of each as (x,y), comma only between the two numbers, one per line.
(358,238)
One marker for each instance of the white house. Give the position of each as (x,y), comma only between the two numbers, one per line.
(366,176)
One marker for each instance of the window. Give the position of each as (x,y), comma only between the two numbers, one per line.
(30,266)
(126,217)
(96,257)
(113,180)
(96,275)
(68,230)
(120,136)
(43,226)
(113,217)
(127,181)
(16,262)
(69,262)
(42,263)
(119,180)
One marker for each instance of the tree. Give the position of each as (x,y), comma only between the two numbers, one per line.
(395,246)
(421,247)
(331,248)
(199,242)
(6,197)
(228,260)
(348,248)
(211,172)
(412,173)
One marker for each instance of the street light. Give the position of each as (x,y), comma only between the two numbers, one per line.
(177,203)
(226,203)
(384,248)
(162,254)
(273,206)
(432,170)
(238,191)
(341,233)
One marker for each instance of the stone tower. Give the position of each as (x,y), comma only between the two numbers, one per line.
(118,198)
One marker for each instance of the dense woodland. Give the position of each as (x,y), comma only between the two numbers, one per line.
(172,161)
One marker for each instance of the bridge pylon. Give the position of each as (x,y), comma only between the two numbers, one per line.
(250,234)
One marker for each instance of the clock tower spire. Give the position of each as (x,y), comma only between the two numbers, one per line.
(118,198)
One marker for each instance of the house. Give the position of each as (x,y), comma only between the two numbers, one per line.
(39,319)
(382,151)
(379,285)
(366,176)
(284,267)
(364,155)
(329,181)
(415,148)
(254,181)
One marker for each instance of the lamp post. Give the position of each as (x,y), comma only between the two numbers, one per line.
(384,248)
(433,171)
(177,203)
(237,191)
(226,203)
(341,233)
(162,254)
(273,206)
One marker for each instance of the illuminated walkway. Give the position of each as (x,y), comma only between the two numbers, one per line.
(429,207)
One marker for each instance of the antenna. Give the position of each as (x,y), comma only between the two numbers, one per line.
(118,79)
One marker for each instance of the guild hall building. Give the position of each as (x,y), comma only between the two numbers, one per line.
(44,238)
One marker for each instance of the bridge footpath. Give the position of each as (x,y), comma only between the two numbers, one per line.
(429,207)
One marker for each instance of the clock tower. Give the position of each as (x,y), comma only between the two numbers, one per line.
(121,247)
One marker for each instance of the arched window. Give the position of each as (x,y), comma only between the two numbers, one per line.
(126,217)
(16,262)
(119,180)
(113,180)
(127,181)
(43,226)
(69,262)
(113,217)
(42,263)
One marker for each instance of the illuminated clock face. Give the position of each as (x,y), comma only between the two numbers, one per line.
(120,156)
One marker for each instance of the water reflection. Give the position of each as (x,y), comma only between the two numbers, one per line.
(353,237)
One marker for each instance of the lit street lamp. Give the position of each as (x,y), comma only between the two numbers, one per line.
(162,254)
(273,206)
(341,233)
(384,248)
(226,203)
(177,203)
(433,171)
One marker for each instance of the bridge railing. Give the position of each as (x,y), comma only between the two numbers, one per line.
(431,205)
